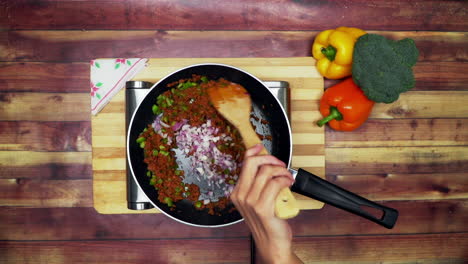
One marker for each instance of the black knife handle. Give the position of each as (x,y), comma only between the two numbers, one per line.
(315,187)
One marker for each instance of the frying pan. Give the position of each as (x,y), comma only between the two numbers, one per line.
(265,106)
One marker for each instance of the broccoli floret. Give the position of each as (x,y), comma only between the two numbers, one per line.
(382,67)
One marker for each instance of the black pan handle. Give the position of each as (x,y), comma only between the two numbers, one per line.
(315,187)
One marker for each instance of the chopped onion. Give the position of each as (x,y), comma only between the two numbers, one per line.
(179,124)
(205,158)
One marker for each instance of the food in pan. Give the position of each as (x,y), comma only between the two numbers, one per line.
(192,152)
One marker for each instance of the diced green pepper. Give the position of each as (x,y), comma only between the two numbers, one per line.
(140,139)
(155,109)
(198,204)
(142,144)
(153,181)
(204,79)
(169,102)
(155,152)
(168,201)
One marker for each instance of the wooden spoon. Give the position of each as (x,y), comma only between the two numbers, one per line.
(234,103)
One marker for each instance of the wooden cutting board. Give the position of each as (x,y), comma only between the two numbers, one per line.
(306,88)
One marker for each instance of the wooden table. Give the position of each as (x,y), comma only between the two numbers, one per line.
(411,155)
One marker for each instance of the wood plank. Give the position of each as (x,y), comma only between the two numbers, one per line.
(74,77)
(443,248)
(432,248)
(45,193)
(38,224)
(31,158)
(45,165)
(45,136)
(237,15)
(48,170)
(402,132)
(430,104)
(44,77)
(436,216)
(83,46)
(45,107)
(406,186)
(440,75)
(412,104)
(395,160)
(234,250)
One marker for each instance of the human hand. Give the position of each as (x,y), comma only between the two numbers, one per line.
(260,181)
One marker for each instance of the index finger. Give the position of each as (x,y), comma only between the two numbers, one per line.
(250,167)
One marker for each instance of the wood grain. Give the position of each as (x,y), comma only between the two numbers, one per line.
(402,132)
(127,251)
(46,193)
(67,223)
(48,170)
(436,216)
(412,104)
(407,186)
(347,249)
(45,165)
(390,160)
(432,248)
(74,77)
(45,136)
(236,15)
(44,77)
(45,107)
(83,46)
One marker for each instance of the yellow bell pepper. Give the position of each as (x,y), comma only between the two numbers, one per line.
(333,50)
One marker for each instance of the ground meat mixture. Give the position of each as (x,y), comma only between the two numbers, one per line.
(186,123)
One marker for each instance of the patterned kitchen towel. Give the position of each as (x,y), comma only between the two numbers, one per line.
(108,76)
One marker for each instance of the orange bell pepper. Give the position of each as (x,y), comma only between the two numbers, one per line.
(345,106)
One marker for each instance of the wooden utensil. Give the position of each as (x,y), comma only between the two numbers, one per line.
(234,103)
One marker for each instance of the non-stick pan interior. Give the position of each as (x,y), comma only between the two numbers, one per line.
(265,107)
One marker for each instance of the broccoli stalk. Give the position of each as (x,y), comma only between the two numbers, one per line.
(382,68)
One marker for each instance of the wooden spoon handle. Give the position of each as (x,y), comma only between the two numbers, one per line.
(285,204)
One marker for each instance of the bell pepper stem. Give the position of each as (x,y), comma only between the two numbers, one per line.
(334,114)
(329,52)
